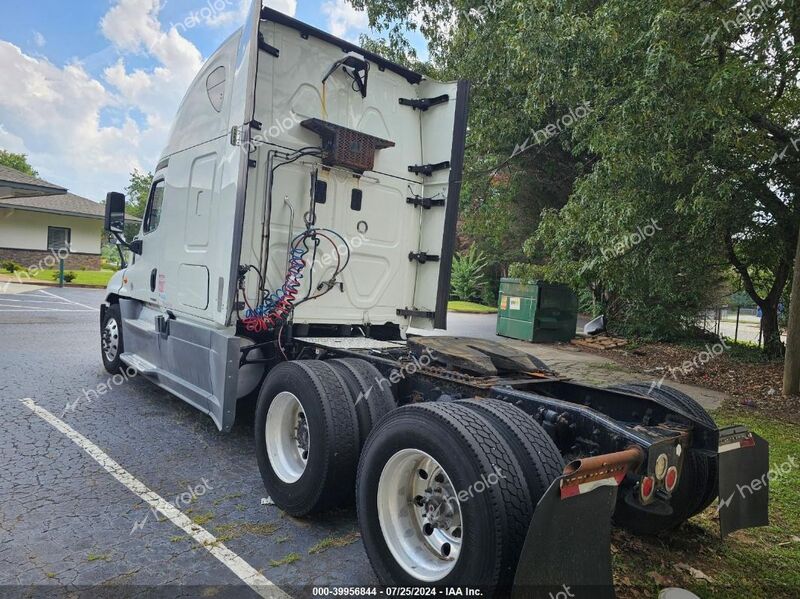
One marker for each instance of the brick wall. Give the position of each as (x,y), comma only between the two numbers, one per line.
(47,260)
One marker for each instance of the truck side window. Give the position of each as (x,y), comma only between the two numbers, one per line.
(152,215)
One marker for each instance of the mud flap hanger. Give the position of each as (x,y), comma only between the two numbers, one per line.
(568,545)
(743,480)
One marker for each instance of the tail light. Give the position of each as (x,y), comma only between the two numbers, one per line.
(646,488)
(671,479)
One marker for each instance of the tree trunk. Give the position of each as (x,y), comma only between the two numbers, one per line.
(773,346)
(791,365)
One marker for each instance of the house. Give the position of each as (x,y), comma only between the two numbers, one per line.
(16,184)
(41,222)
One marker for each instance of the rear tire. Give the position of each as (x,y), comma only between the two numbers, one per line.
(534,449)
(306,437)
(111,346)
(370,391)
(697,485)
(481,480)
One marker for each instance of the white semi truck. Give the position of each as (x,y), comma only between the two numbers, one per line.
(302,217)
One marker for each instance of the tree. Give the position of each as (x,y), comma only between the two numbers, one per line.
(18,162)
(137,192)
(693,114)
(791,367)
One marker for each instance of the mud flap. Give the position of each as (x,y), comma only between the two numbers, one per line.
(567,551)
(743,480)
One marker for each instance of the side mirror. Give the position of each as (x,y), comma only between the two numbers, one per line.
(115,212)
(136,246)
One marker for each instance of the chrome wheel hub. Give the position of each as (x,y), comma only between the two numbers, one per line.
(420,515)
(287,437)
(110,339)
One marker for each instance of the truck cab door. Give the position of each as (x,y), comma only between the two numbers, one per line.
(443,127)
(143,274)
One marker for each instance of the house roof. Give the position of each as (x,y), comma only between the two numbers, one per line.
(67,204)
(14,183)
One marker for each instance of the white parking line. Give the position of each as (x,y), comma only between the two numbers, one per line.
(246,573)
(68,300)
(19,309)
(31,301)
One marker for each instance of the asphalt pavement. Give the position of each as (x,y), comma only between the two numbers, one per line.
(67,519)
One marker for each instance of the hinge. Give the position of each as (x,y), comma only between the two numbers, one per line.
(252,163)
(411,313)
(263,45)
(422,257)
(426,203)
(424,103)
(428,169)
(254,124)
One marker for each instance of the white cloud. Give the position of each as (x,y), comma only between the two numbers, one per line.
(58,114)
(38,39)
(344,20)
(54,114)
(11,142)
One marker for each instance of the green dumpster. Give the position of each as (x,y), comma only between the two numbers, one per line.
(540,312)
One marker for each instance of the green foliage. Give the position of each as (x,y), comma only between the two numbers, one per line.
(470,307)
(468,280)
(69,276)
(91,278)
(18,162)
(692,123)
(10,266)
(137,192)
(109,256)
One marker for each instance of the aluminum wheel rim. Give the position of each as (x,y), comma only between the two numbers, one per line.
(111,339)
(420,515)
(288,440)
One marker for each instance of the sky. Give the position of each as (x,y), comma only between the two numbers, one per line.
(90,88)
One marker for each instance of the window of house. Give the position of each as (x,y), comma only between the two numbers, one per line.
(58,238)
(153,214)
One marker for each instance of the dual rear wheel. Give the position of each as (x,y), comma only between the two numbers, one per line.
(444,491)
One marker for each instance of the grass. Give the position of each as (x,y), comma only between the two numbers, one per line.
(289,559)
(331,542)
(757,562)
(94,557)
(234,530)
(99,278)
(201,519)
(470,308)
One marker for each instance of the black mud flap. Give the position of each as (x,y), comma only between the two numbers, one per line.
(567,551)
(743,480)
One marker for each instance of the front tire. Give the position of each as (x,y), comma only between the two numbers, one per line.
(111,346)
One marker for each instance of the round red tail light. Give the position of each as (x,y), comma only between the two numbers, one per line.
(647,487)
(671,479)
